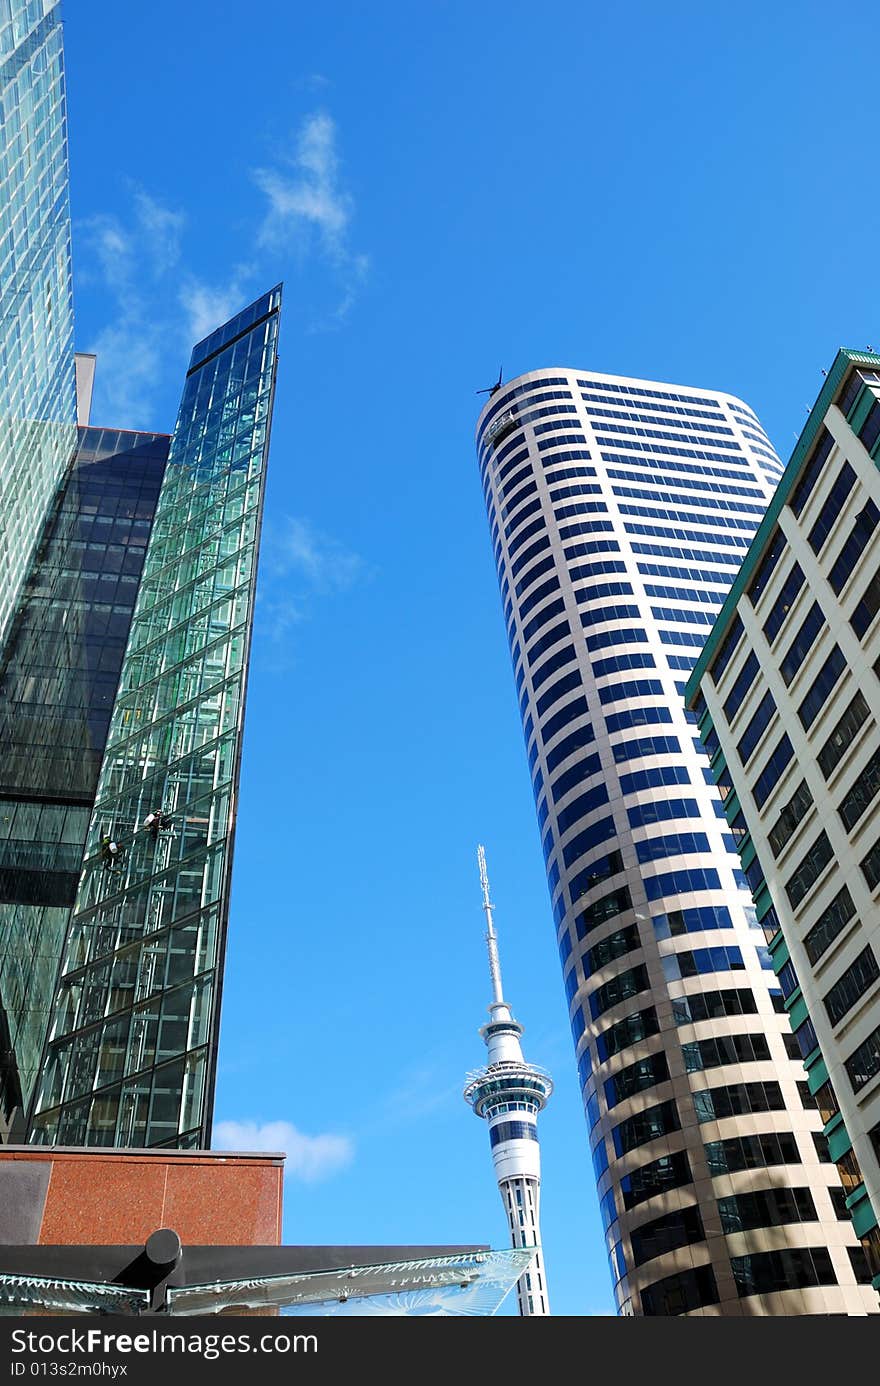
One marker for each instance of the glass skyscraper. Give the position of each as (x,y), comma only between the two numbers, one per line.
(37,390)
(620,511)
(127,573)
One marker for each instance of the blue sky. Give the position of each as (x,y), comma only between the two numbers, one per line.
(682,192)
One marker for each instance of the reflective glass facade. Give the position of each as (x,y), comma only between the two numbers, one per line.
(131,1053)
(59,672)
(37,391)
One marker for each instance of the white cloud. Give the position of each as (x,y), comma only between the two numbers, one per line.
(158,308)
(161,229)
(309,1158)
(295,547)
(130,363)
(309,209)
(311,195)
(207,306)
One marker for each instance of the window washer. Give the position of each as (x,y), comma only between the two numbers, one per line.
(156,822)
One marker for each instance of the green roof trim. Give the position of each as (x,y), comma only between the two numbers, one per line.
(845,358)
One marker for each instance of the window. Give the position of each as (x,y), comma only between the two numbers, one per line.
(679,1294)
(812,471)
(552,666)
(802,643)
(669,1172)
(556,691)
(713,1104)
(512,1131)
(831,508)
(752,1152)
(858,1260)
(809,870)
(858,977)
(756,727)
(826,1101)
(603,909)
(867,607)
(791,816)
(637,717)
(741,685)
(849,1170)
(862,793)
(554,608)
(661,810)
(850,392)
(825,680)
(640,1025)
(768,1272)
(575,741)
(772,554)
(608,1209)
(870,865)
(633,688)
(783,603)
(576,708)
(600,1159)
(646,746)
(614,664)
(806,1038)
(645,1126)
(724,1049)
(838,1203)
(525,558)
(865,523)
(726,649)
(696,961)
(602,869)
(644,1073)
(653,778)
(681,882)
(618,635)
(769,777)
(709,1005)
(843,735)
(671,845)
(772,1207)
(870,429)
(614,946)
(543,567)
(666,1233)
(589,838)
(618,989)
(575,776)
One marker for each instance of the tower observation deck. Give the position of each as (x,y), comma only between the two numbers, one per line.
(509,1093)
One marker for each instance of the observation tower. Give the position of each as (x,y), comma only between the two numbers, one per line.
(509,1093)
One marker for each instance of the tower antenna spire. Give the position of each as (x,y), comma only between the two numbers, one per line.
(491,936)
(509,1084)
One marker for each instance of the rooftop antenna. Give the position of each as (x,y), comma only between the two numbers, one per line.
(491,936)
(493,389)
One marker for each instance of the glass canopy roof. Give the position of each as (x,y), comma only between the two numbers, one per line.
(470,1283)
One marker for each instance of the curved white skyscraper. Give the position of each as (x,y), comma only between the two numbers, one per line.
(509,1094)
(620,511)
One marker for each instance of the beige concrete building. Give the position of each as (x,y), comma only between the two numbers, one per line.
(788,692)
(620,512)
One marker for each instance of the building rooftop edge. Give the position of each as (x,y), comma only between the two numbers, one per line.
(612,375)
(846,357)
(140,1152)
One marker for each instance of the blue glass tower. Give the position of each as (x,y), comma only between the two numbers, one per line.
(132,1047)
(127,572)
(37,390)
